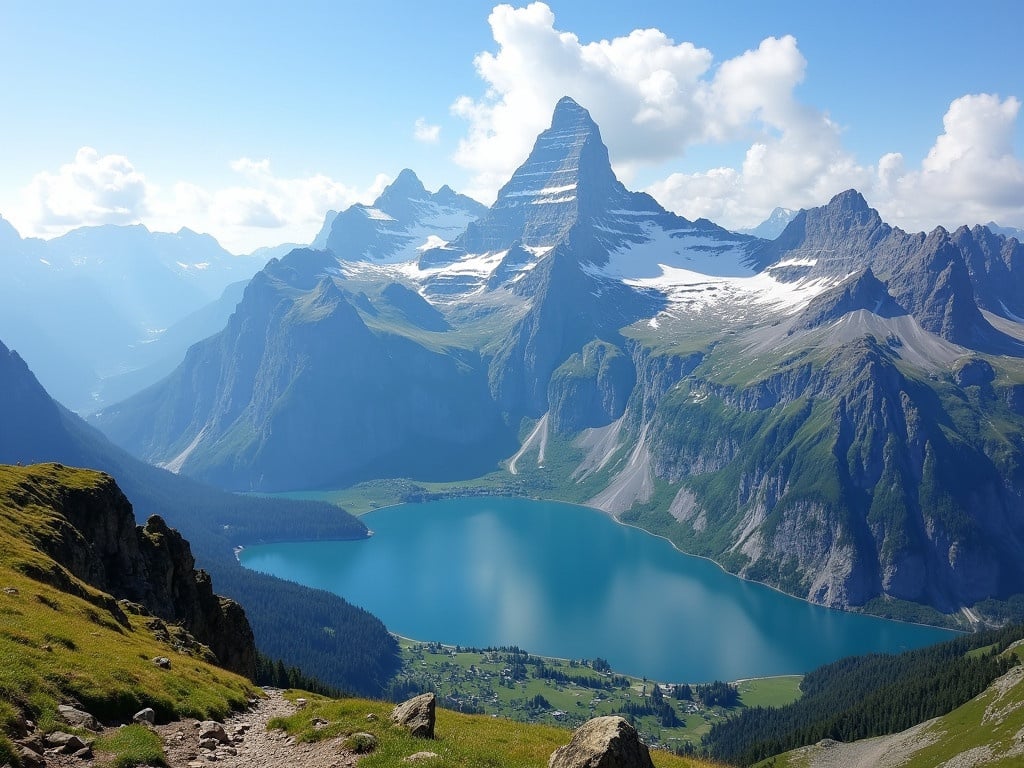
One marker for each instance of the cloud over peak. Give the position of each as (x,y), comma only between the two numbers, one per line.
(656,100)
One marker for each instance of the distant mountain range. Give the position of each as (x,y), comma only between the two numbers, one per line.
(838,411)
(349,648)
(773,226)
(94,305)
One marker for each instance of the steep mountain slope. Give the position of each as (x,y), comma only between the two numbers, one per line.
(838,412)
(405,220)
(435,398)
(90,600)
(984,731)
(289,621)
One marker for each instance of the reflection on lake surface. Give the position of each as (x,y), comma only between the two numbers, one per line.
(562,580)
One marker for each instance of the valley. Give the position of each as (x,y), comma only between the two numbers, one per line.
(555,383)
(567,581)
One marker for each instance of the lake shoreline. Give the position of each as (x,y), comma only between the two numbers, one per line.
(506,571)
(676,547)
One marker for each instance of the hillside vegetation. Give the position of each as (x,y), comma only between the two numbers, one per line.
(984,731)
(61,639)
(462,741)
(870,695)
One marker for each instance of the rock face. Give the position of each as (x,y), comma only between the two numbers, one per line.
(416,715)
(845,425)
(604,742)
(96,539)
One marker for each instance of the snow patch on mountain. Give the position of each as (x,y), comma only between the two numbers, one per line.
(688,290)
(656,249)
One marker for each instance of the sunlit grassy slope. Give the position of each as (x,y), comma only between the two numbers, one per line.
(462,741)
(987,730)
(56,646)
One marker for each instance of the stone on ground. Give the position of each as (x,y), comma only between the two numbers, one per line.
(417,715)
(604,742)
(78,718)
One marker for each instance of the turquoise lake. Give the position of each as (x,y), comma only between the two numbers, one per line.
(568,581)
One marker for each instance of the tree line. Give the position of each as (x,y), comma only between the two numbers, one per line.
(871,695)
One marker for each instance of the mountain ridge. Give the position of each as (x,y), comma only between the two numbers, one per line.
(743,391)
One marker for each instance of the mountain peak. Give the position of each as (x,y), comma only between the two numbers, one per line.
(568,113)
(851,201)
(567,176)
(406,187)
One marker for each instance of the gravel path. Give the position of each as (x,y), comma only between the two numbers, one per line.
(250,741)
(879,752)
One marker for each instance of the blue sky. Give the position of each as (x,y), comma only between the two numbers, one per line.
(250,120)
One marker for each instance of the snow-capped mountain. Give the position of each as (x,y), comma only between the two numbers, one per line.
(771,227)
(404,221)
(838,411)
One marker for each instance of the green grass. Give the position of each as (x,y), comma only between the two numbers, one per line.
(770,691)
(132,745)
(474,681)
(59,637)
(461,741)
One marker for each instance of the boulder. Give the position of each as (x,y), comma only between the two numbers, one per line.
(146,715)
(604,742)
(209,729)
(30,759)
(163,662)
(78,718)
(416,715)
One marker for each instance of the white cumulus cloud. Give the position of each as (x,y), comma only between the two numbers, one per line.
(256,208)
(425,132)
(971,174)
(92,189)
(656,99)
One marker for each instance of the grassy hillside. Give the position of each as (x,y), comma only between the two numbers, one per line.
(513,684)
(462,741)
(984,731)
(58,644)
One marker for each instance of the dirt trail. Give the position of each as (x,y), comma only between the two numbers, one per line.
(879,752)
(252,743)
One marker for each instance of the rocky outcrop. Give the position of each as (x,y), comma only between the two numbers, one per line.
(416,715)
(591,388)
(604,742)
(95,538)
(840,480)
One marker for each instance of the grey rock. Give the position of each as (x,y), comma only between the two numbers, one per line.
(85,753)
(78,718)
(417,715)
(604,742)
(163,662)
(209,729)
(208,743)
(56,739)
(73,746)
(30,759)
(146,715)
(34,742)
